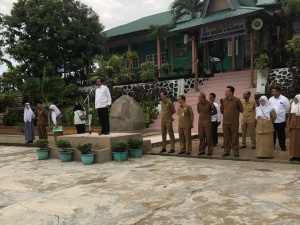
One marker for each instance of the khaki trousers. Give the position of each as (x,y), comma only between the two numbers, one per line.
(185,139)
(167,127)
(251,129)
(42,131)
(231,138)
(205,133)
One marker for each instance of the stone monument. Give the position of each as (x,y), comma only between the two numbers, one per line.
(126,115)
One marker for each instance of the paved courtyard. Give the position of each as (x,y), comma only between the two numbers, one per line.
(149,190)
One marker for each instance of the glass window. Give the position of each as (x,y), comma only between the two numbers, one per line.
(135,63)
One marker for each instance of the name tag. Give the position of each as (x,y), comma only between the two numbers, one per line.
(182,114)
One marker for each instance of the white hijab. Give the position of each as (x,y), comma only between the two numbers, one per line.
(28,114)
(55,112)
(296,107)
(264,111)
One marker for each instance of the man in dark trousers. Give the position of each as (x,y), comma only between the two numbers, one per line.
(282,107)
(231,107)
(215,119)
(102,105)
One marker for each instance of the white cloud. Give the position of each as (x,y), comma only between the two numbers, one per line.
(112,13)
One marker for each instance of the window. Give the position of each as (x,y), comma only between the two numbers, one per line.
(164,59)
(230,47)
(135,63)
(153,58)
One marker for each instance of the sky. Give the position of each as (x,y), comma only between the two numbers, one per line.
(112,13)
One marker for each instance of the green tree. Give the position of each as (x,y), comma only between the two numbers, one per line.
(181,8)
(54,34)
(109,68)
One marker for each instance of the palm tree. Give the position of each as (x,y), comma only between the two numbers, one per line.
(162,31)
(181,8)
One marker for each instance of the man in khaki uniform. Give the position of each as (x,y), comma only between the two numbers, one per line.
(248,120)
(205,109)
(166,122)
(185,124)
(231,107)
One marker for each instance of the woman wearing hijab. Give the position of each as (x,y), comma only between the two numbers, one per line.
(29,125)
(79,123)
(56,120)
(293,124)
(265,116)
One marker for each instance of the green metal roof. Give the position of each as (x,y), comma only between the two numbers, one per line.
(217,16)
(265,2)
(244,3)
(143,24)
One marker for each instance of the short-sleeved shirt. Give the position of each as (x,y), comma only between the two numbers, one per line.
(231,109)
(167,110)
(205,110)
(185,115)
(281,106)
(249,111)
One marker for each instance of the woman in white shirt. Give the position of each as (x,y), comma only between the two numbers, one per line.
(29,125)
(79,117)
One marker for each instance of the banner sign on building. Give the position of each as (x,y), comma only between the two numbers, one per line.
(224,30)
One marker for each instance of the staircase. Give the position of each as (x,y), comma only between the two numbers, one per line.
(240,80)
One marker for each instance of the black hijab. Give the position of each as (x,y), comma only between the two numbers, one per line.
(78,107)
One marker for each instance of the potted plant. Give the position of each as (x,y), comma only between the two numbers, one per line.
(65,154)
(119,151)
(135,145)
(42,152)
(87,157)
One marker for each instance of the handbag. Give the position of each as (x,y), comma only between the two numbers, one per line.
(57,129)
(82,117)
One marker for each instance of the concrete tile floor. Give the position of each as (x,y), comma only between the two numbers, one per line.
(149,190)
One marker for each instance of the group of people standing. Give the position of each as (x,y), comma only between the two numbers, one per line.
(102,105)
(264,123)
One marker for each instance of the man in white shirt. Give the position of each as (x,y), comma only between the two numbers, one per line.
(215,119)
(102,104)
(282,106)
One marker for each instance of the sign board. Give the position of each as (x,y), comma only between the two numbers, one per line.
(224,30)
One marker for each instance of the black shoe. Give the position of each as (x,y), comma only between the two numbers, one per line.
(201,153)
(180,153)
(188,153)
(28,142)
(253,147)
(225,154)
(209,154)
(283,149)
(215,144)
(163,150)
(244,146)
(293,159)
(236,155)
(171,150)
(106,133)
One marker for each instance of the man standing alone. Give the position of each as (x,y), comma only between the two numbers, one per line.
(102,104)
(185,124)
(166,122)
(282,106)
(205,109)
(215,119)
(231,107)
(248,120)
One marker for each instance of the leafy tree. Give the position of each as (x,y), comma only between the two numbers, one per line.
(181,8)
(109,69)
(13,79)
(54,34)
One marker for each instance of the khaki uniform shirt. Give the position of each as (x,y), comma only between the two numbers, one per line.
(249,111)
(42,116)
(205,111)
(231,109)
(167,110)
(185,115)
